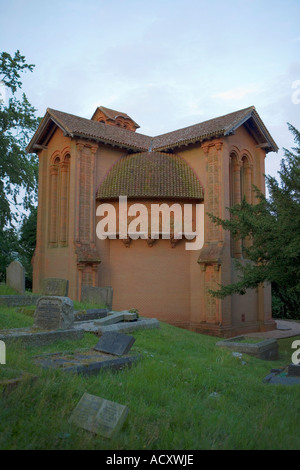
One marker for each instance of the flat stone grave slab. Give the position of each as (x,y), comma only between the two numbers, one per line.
(283,376)
(55,286)
(99,416)
(115,343)
(54,313)
(86,362)
(262,349)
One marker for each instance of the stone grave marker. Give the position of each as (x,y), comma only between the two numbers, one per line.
(54,313)
(115,343)
(56,287)
(97,295)
(98,415)
(15,276)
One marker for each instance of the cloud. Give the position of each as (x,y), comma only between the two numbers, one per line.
(237,93)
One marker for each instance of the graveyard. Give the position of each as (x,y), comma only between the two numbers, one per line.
(121,382)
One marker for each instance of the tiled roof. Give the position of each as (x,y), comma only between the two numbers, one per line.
(151,175)
(75,126)
(217,127)
(96,130)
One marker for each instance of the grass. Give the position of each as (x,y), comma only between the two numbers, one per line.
(184,394)
(6,290)
(86,305)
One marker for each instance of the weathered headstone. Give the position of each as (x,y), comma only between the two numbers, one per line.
(56,287)
(15,276)
(53,313)
(97,295)
(115,343)
(98,415)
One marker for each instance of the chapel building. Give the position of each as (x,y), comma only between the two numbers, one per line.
(85,163)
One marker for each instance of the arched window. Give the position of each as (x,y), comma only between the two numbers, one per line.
(235,197)
(240,181)
(54,188)
(246,178)
(59,200)
(64,200)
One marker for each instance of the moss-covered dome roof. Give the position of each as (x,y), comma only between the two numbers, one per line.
(151,175)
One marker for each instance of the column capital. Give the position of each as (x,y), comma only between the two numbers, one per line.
(206,146)
(64,166)
(54,169)
(87,146)
(247,165)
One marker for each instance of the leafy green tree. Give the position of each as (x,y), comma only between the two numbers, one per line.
(17,124)
(272,230)
(18,170)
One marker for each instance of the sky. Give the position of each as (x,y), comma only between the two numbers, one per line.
(167,63)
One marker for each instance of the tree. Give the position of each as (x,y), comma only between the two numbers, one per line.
(18,170)
(17,123)
(8,250)
(272,230)
(27,242)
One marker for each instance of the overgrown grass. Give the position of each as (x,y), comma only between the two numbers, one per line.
(185,393)
(6,290)
(86,305)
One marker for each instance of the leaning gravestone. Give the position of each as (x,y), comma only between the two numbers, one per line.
(54,313)
(15,277)
(115,343)
(98,415)
(97,295)
(55,286)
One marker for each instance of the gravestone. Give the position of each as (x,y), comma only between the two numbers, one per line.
(54,313)
(98,415)
(97,295)
(115,343)
(15,276)
(56,287)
